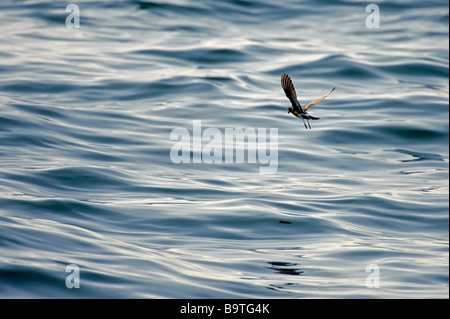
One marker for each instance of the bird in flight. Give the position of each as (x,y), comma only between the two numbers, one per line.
(296,108)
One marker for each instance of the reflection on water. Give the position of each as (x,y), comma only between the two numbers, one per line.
(285,268)
(418,156)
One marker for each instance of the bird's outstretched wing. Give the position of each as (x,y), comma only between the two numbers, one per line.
(316,101)
(289,90)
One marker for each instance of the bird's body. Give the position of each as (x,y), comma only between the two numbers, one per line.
(303,115)
(296,108)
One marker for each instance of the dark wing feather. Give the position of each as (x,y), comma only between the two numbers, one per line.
(289,90)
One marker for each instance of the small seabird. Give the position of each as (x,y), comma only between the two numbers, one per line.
(296,108)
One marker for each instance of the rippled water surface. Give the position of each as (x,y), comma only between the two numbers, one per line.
(86,175)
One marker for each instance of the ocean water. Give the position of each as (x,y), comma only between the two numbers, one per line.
(357,207)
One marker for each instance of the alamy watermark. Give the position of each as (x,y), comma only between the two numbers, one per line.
(212,146)
(373,279)
(73,277)
(373,19)
(73,19)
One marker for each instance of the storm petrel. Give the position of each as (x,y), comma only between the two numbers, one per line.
(296,108)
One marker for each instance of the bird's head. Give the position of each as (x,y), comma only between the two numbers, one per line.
(291,109)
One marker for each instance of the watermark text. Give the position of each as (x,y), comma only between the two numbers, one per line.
(211,146)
